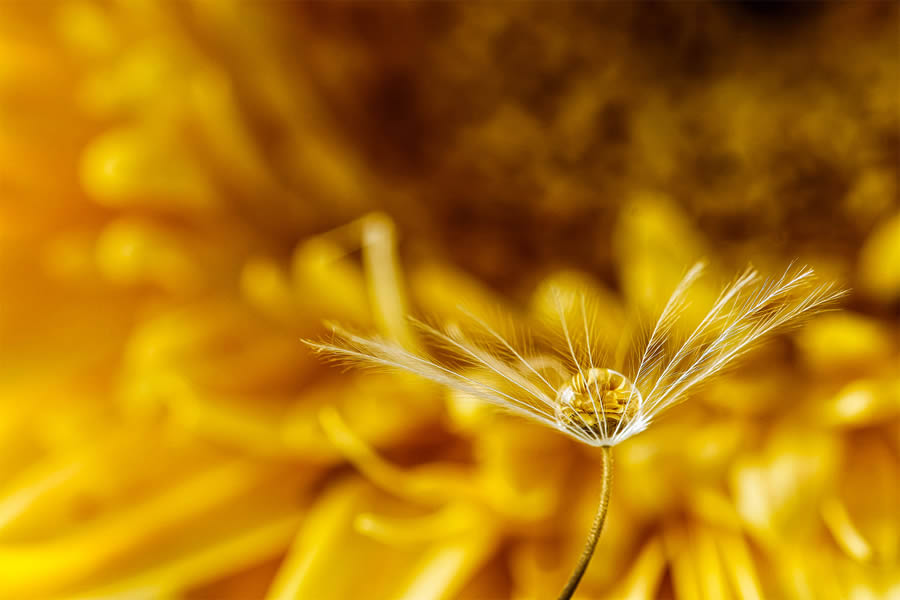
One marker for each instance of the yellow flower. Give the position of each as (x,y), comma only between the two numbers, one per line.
(187,191)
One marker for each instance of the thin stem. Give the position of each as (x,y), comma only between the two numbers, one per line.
(596,528)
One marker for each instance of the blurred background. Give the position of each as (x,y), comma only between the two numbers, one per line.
(189,188)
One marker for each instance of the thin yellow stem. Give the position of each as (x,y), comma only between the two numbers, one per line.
(596,528)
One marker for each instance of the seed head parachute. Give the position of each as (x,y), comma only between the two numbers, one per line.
(566,382)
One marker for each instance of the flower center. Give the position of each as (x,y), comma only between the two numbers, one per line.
(596,396)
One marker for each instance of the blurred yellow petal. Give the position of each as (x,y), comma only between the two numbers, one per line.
(878,260)
(121,169)
(266,286)
(305,568)
(452,520)
(643,579)
(835,515)
(710,565)
(686,580)
(845,340)
(656,245)
(429,282)
(863,402)
(322,281)
(436,485)
(444,569)
(138,253)
(739,565)
(386,287)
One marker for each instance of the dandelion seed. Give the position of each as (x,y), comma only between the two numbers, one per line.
(568,388)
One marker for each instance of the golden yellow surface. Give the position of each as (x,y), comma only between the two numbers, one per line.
(188,189)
